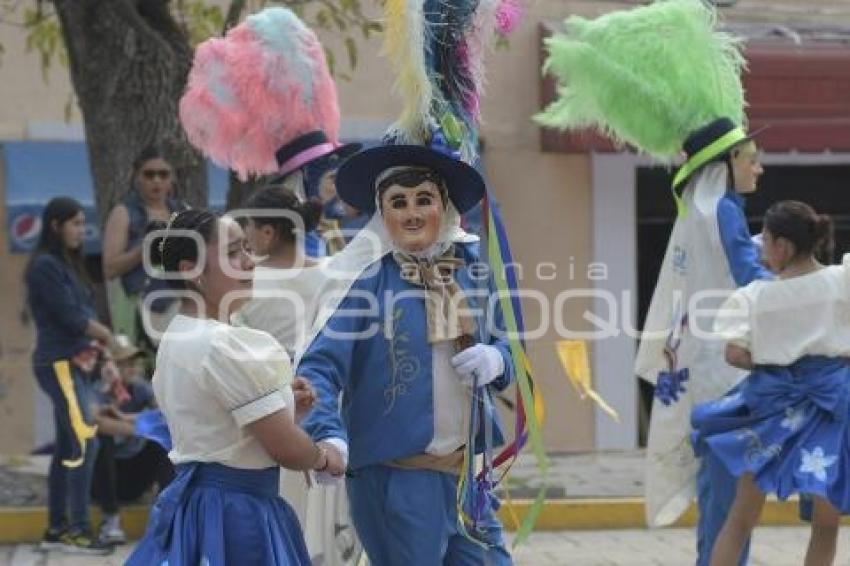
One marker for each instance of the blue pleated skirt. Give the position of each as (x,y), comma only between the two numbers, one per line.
(214,515)
(788,426)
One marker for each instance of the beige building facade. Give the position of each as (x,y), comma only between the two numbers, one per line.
(570,216)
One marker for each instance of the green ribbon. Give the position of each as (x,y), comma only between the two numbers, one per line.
(700,158)
(535,436)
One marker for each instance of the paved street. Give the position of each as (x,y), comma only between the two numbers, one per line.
(777,546)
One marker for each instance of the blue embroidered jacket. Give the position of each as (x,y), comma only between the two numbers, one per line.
(386,378)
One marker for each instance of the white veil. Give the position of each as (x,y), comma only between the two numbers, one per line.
(370,244)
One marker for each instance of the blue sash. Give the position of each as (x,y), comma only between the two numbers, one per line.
(261,483)
(820,379)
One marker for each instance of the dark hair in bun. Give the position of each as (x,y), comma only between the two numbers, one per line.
(277,198)
(169,249)
(810,232)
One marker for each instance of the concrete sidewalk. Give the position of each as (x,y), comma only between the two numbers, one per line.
(585,491)
(571,476)
(592,475)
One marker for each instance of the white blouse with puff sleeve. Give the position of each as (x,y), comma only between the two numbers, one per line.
(783,320)
(211,380)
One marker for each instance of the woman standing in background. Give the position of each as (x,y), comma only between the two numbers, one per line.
(60,299)
(150,199)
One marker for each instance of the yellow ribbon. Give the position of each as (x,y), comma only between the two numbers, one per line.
(573,355)
(81,430)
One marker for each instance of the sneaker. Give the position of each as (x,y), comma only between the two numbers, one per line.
(52,540)
(81,542)
(111,531)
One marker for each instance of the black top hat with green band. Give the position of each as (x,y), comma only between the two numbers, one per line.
(706,144)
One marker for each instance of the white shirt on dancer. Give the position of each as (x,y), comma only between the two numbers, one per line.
(211,380)
(284,303)
(783,320)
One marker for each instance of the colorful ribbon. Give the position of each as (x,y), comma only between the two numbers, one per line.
(529,401)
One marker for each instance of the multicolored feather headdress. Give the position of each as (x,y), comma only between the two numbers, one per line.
(262,86)
(437,50)
(648,77)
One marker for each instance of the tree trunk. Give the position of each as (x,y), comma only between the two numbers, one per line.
(129,63)
(238,191)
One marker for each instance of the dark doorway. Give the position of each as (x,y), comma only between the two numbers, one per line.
(825,187)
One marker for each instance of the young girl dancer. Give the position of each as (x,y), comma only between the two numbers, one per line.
(261,101)
(225,392)
(286,282)
(286,298)
(784,429)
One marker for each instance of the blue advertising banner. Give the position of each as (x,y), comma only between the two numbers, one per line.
(37,171)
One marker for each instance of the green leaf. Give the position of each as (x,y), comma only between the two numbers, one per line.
(202,21)
(331,60)
(322,19)
(69,107)
(31,17)
(338,19)
(370,27)
(297,7)
(351,48)
(44,37)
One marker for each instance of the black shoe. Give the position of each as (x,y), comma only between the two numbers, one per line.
(81,542)
(52,540)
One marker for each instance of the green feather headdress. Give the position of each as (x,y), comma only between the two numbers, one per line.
(647,77)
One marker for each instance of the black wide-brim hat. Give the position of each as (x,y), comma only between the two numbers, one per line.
(708,143)
(311,147)
(355,179)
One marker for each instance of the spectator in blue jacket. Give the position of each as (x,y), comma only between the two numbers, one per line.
(149,200)
(60,299)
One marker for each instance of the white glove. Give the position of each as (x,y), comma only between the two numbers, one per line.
(481,361)
(325,478)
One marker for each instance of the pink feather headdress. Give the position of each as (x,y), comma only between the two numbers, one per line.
(260,87)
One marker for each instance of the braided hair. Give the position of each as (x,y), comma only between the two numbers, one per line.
(168,248)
